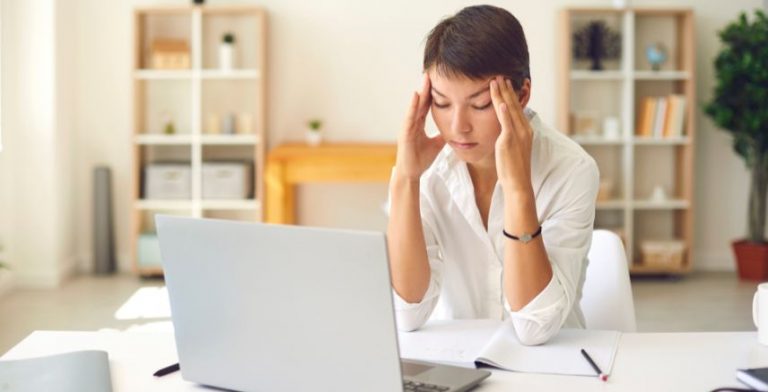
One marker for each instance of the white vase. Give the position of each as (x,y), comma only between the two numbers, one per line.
(313,137)
(226,56)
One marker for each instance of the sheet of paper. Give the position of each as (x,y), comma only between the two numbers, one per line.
(455,342)
(79,371)
(559,355)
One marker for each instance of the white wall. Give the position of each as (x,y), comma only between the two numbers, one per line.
(354,63)
(36,128)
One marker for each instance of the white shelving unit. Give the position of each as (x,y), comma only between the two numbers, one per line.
(190,96)
(636,164)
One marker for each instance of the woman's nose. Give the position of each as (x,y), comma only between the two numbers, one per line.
(460,122)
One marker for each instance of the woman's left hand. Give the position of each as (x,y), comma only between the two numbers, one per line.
(514,144)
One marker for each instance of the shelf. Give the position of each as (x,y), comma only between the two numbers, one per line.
(230,140)
(158,74)
(158,139)
(639,269)
(635,164)
(596,75)
(660,205)
(197,99)
(149,271)
(655,141)
(251,204)
(661,75)
(144,204)
(231,74)
(611,205)
(597,141)
(235,74)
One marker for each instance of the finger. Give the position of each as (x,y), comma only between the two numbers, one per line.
(523,119)
(425,96)
(502,108)
(410,117)
(515,110)
(496,96)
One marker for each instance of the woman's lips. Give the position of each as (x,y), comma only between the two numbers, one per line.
(463,146)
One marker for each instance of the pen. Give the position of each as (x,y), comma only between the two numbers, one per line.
(600,375)
(167,370)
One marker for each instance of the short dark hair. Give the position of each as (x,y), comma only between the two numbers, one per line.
(477,42)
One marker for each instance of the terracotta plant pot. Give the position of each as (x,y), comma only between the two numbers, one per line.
(751,260)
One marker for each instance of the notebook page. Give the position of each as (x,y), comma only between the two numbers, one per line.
(560,355)
(455,342)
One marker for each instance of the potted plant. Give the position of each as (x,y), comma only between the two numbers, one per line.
(313,135)
(227,52)
(738,107)
(596,41)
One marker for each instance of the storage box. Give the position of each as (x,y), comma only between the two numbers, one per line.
(170,54)
(168,181)
(149,251)
(227,180)
(668,254)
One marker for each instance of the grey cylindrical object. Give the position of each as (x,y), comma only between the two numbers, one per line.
(228,123)
(103,236)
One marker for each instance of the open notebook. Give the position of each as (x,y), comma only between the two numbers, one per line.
(494,343)
(79,371)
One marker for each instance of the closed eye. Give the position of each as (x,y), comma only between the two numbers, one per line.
(437,105)
(486,106)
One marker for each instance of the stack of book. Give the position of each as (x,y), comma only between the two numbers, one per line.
(661,117)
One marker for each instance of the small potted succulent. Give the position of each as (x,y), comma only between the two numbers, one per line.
(313,134)
(227,52)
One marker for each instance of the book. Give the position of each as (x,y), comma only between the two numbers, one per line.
(658,119)
(472,343)
(756,378)
(672,107)
(646,117)
(78,371)
(678,118)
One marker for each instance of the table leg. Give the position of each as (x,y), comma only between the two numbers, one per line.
(280,195)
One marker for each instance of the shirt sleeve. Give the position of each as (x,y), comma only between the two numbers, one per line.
(412,316)
(567,236)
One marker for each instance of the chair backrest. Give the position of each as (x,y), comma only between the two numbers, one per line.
(607,294)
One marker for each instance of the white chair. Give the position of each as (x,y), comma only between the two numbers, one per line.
(607,294)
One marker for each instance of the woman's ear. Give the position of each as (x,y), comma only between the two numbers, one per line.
(524,94)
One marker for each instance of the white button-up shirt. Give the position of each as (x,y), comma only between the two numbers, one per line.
(466,260)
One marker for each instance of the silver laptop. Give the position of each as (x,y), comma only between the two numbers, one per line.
(260,307)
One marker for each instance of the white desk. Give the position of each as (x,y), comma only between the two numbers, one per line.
(644,361)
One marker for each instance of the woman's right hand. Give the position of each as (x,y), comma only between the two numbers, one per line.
(415,150)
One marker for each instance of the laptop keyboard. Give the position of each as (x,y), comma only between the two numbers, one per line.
(412,386)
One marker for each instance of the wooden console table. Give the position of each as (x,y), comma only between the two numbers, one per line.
(294,163)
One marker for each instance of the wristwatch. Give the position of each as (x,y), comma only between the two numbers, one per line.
(525,237)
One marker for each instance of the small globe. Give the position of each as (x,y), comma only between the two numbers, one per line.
(656,55)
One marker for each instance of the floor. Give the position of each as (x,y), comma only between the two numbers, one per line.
(699,302)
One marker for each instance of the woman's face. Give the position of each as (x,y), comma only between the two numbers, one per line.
(465,116)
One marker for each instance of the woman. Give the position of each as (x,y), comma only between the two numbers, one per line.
(493,217)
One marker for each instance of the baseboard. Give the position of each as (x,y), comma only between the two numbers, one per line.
(85,263)
(47,279)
